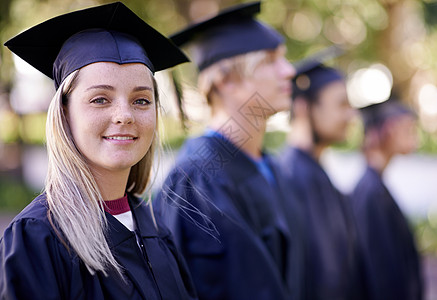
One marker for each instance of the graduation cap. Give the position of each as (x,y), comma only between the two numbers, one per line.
(106,33)
(232,32)
(312,74)
(375,115)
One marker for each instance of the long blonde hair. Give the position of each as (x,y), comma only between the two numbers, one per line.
(75,204)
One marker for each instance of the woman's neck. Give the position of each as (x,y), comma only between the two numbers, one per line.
(112,184)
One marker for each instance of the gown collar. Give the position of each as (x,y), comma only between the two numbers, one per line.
(144,224)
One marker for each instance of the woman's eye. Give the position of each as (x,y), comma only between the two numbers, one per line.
(142,101)
(99,101)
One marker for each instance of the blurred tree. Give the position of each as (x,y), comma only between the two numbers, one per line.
(4,21)
(390,31)
(398,33)
(430,12)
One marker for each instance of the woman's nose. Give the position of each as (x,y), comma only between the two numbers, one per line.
(123,114)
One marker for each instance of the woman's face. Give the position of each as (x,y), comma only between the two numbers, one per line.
(112,115)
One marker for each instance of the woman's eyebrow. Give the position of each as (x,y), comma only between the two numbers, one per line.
(111,88)
(142,88)
(101,86)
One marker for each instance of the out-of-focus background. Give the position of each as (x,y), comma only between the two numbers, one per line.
(389,44)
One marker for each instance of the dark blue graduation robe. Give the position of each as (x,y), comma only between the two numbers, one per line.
(36,265)
(390,256)
(332,263)
(229,223)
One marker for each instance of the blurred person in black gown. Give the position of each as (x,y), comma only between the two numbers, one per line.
(320,117)
(391,259)
(225,201)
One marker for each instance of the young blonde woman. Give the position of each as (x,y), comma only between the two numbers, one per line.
(229,219)
(88,236)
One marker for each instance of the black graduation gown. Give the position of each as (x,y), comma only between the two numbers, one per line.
(228,221)
(36,265)
(332,266)
(391,259)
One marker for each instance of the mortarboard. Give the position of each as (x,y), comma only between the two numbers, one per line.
(317,59)
(106,33)
(232,32)
(375,115)
(312,74)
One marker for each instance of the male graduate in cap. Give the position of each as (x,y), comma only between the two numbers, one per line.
(228,215)
(391,260)
(320,116)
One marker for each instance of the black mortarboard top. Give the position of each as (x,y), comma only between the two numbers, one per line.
(232,32)
(312,74)
(375,115)
(106,33)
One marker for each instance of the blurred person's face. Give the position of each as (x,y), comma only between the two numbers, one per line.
(112,115)
(331,113)
(271,80)
(402,134)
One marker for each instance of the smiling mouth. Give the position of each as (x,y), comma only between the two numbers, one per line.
(120,138)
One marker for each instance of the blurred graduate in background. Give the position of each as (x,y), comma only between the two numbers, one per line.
(320,116)
(224,201)
(392,263)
